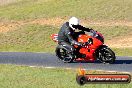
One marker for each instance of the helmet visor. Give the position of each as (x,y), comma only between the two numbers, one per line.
(75,26)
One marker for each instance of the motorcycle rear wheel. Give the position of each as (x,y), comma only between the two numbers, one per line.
(105,55)
(63,54)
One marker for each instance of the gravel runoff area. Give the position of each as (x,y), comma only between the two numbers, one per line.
(4,2)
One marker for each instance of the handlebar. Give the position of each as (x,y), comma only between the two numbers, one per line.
(94,33)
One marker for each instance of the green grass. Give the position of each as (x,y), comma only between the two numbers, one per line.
(26,77)
(90,9)
(36,38)
(33,38)
(123,51)
(111,32)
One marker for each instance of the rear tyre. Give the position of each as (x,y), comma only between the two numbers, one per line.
(105,55)
(63,54)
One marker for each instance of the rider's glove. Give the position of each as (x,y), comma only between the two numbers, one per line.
(83,44)
(80,44)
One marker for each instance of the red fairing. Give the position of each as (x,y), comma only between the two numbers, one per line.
(100,34)
(89,49)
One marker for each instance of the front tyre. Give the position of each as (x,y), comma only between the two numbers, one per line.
(63,54)
(105,55)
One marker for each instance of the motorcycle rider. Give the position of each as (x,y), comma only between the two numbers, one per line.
(66,35)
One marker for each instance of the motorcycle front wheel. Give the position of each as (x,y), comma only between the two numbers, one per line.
(105,55)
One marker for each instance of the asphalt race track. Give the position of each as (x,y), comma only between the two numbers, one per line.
(123,64)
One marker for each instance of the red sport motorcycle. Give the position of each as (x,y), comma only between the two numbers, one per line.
(93,49)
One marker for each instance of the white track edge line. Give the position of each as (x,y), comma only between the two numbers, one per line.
(76,68)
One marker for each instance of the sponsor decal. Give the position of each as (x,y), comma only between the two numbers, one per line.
(83,78)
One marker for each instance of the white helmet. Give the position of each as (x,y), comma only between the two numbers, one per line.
(73,21)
